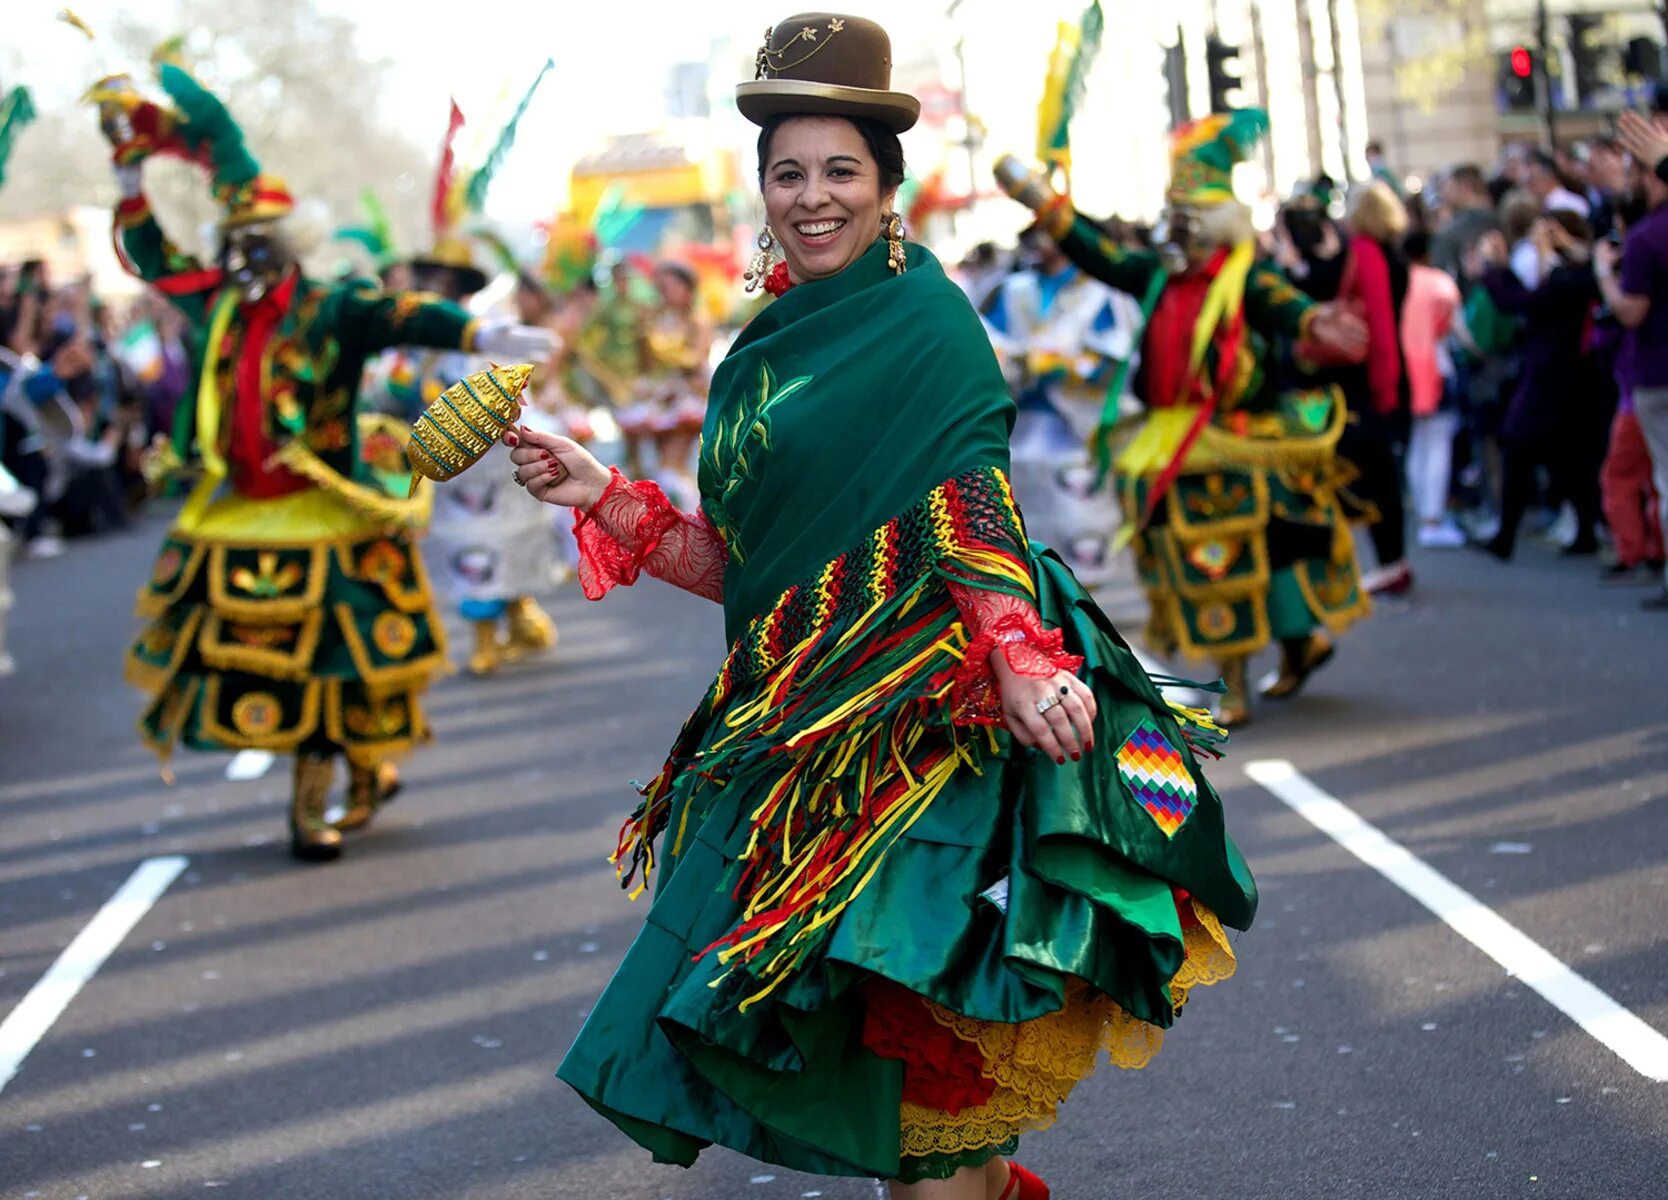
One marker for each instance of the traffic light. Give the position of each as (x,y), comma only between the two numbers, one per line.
(1517,78)
(1175,83)
(1219,62)
(1584,55)
(1642,58)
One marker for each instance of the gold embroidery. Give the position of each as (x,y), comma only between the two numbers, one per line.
(394,634)
(257,714)
(268,581)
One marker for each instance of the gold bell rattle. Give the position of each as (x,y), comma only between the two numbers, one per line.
(462,425)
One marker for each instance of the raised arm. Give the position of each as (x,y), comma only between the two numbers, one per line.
(371,321)
(1086,245)
(146,251)
(1082,240)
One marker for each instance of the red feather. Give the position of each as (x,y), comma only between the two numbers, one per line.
(448,164)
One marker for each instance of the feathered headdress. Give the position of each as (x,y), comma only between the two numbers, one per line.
(199,129)
(376,235)
(1203,154)
(460,197)
(1075,49)
(16,111)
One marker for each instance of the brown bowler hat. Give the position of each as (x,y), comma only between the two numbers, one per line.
(826,64)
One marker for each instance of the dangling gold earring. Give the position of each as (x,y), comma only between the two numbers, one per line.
(892,229)
(762,261)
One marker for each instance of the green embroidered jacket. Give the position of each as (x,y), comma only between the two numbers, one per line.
(310,365)
(1276,313)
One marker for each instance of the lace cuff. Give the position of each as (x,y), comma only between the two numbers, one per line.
(634,528)
(998,620)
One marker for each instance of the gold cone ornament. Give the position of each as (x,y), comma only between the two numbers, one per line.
(462,425)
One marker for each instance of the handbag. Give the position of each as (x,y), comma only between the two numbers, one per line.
(1319,354)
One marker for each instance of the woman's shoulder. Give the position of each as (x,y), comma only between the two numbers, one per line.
(932,297)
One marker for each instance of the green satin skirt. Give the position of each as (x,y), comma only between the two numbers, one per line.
(1023,886)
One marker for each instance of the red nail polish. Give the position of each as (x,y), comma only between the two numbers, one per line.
(510,439)
(546,454)
(1061,760)
(1076,758)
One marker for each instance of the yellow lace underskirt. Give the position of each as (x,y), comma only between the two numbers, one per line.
(1035,1064)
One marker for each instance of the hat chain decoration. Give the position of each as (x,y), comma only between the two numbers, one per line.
(769,62)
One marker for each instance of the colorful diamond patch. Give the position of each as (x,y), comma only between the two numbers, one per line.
(1156,776)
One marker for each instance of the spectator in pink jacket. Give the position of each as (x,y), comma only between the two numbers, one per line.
(1428,318)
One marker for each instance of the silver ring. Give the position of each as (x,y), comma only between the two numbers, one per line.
(516,475)
(1046,703)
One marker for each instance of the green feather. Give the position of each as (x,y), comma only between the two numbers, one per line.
(1089,31)
(205,124)
(369,238)
(16,111)
(500,249)
(475,197)
(1091,28)
(1235,140)
(614,216)
(377,219)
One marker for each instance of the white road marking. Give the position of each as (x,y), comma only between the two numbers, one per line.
(1632,1040)
(249,764)
(46,1001)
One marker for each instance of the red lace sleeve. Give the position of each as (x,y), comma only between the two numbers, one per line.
(998,620)
(634,528)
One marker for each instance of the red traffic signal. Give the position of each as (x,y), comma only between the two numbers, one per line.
(1523,62)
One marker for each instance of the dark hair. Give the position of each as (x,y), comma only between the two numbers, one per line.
(1574,224)
(676,270)
(883,145)
(1417,245)
(1470,175)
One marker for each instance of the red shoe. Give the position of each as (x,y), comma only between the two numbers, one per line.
(1022,1185)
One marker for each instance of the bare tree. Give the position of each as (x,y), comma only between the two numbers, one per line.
(296,79)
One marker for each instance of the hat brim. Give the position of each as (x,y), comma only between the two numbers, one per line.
(470,279)
(761,99)
(257,214)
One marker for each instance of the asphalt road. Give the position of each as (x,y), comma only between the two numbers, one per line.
(387,1027)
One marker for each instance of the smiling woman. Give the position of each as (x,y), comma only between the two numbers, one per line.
(932,841)
(828,184)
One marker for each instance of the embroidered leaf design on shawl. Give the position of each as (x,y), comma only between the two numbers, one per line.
(739,440)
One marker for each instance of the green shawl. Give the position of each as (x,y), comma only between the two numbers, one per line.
(841,405)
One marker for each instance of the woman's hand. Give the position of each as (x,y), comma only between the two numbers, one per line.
(1643,138)
(555,469)
(1066,728)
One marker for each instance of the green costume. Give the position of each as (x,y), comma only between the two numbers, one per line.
(1250,542)
(846,831)
(288,608)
